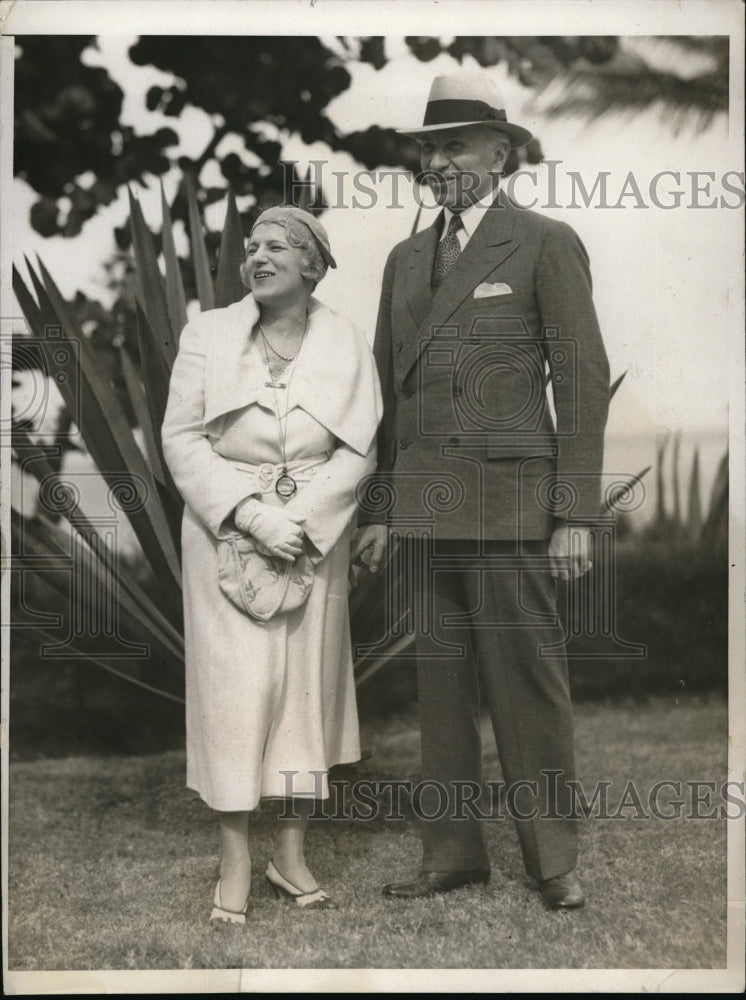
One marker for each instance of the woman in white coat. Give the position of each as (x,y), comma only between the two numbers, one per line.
(270,426)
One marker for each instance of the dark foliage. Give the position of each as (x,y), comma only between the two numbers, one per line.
(67,124)
(673,598)
(68,113)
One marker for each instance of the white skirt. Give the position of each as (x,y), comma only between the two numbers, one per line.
(269,707)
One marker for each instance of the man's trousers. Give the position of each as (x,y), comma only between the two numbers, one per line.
(488,613)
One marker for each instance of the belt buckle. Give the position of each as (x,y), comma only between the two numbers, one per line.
(266,473)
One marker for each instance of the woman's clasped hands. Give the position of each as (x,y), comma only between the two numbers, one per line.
(276,533)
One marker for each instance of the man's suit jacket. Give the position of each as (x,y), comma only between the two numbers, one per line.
(468,443)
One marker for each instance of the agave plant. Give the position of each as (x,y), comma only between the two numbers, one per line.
(138,478)
(135,471)
(689,525)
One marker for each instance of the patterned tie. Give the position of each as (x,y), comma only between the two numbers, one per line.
(448,250)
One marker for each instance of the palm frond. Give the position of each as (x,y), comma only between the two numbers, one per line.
(602,91)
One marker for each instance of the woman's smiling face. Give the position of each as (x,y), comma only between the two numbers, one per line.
(273,266)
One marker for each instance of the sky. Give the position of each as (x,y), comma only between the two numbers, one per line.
(661,276)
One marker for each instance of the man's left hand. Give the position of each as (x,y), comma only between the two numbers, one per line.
(569,548)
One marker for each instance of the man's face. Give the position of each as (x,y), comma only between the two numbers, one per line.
(462,164)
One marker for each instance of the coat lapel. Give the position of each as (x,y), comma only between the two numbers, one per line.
(234,374)
(335,380)
(492,243)
(421,260)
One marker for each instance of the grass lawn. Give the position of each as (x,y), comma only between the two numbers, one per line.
(112,865)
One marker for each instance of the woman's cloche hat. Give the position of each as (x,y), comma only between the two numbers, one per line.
(460,99)
(280,214)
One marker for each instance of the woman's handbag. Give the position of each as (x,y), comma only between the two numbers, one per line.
(261,586)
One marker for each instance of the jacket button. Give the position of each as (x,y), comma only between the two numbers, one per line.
(453,441)
(404,443)
(407,393)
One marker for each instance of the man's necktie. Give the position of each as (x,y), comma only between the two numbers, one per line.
(448,250)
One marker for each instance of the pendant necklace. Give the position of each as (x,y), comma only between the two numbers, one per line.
(285,485)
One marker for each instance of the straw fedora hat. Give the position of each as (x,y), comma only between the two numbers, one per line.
(460,99)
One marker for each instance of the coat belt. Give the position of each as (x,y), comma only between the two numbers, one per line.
(264,475)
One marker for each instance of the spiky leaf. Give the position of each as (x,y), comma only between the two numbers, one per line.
(676,486)
(694,506)
(104,428)
(149,283)
(205,291)
(175,296)
(613,501)
(228,285)
(39,538)
(615,385)
(142,413)
(716,525)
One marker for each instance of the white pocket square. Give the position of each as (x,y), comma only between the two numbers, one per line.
(496,288)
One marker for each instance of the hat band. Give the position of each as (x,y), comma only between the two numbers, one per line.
(445,112)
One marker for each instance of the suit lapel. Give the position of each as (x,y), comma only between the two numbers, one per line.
(492,242)
(420,264)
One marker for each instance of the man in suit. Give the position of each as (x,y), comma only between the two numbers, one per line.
(489,495)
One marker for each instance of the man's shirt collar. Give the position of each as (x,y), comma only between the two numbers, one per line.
(471,216)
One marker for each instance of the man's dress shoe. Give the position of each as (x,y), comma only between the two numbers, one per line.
(429,883)
(563,892)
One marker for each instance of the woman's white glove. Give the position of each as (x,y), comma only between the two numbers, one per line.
(279,534)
